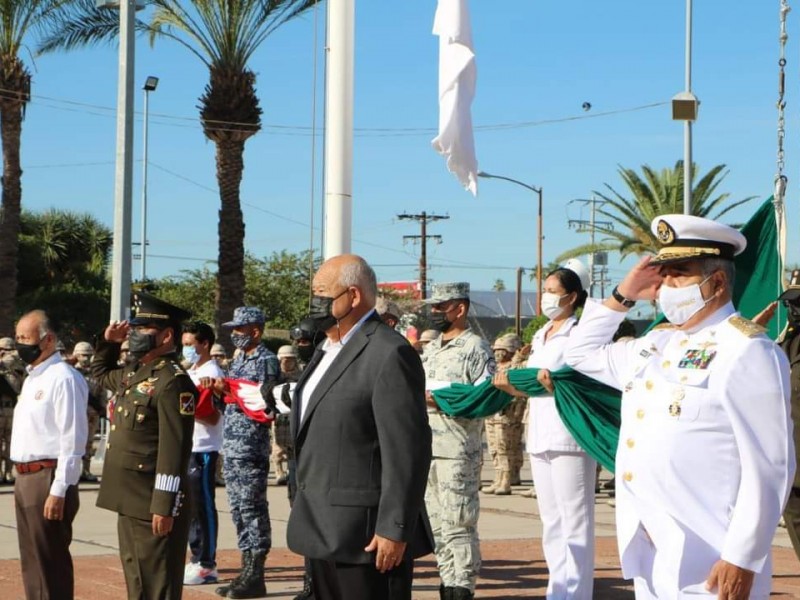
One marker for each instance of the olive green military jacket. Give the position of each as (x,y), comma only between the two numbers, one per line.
(791,345)
(150,438)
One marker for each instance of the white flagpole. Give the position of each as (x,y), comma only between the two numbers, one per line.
(339,128)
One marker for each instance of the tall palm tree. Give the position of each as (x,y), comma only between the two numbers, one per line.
(223,34)
(19,21)
(656,193)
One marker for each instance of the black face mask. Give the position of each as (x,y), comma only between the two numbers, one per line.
(29,353)
(140,344)
(305,352)
(321,312)
(439,321)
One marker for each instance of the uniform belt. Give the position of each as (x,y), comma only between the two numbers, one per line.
(35,466)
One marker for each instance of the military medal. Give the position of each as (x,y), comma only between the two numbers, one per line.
(697,359)
(675,409)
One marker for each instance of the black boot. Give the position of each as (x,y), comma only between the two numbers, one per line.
(223,589)
(444,593)
(461,593)
(307,593)
(251,585)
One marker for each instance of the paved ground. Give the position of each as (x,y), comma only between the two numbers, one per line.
(513,565)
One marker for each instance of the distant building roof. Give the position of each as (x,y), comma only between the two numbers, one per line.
(502,304)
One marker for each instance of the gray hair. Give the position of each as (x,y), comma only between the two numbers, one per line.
(709,265)
(358,273)
(45,325)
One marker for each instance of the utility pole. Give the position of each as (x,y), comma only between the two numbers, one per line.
(423,218)
(583,226)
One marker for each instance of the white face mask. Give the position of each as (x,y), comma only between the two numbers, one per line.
(682,303)
(550,305)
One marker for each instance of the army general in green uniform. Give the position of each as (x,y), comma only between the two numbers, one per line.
(149,445)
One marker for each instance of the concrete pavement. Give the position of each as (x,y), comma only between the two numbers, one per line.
(510,531)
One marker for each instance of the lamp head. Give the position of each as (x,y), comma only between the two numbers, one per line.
(150,84)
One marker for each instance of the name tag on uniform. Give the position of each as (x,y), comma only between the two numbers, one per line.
(697,359)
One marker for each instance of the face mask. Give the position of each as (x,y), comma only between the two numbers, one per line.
(305,352)
(84,361)
(681,304)
(501,356)
(550,305)
(792,313)
(190,354)
(29,353)
(439,321)
(321,312)
(140,343)
(241,340)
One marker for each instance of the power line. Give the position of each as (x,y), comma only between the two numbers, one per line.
(423,218)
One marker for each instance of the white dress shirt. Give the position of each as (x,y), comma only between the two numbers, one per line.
(206,437)
(50,420)
(331,350)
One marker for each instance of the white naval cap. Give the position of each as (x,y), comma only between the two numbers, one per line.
(577,267)
(686,237)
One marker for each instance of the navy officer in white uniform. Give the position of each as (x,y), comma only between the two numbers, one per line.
(705,459)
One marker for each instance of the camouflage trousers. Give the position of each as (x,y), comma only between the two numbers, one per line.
(246,484)
(453,507)
(504,436)
(281,444)
(6,421)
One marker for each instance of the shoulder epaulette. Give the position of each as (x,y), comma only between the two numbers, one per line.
(746,326)
(663,326)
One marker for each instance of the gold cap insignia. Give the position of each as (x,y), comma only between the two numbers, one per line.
(665,232)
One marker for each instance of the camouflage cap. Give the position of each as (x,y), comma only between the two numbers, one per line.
(83,349)
(217,350)
(384,306)
(429,335)
(287,352)
(7,343)
(792,290)
(442,292)
(246,315)
(509,342)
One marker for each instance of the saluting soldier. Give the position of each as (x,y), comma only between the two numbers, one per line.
(149,445)
(705,458)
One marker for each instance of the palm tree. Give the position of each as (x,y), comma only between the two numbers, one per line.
(657,193)
(224,35)
(19,19)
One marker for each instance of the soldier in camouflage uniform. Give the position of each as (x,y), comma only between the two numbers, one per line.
(145,470)
(503,430)
(282,442)
(246,447)
(457,356)
(12,372)
(82,354)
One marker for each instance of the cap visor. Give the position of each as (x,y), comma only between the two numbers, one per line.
(790,294)
(145,321)
(231,324)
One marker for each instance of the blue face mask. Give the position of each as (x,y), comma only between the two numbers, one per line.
(190,354)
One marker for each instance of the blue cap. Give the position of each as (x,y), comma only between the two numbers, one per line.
(246,315)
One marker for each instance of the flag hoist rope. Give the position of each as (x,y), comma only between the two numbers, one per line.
(780,178)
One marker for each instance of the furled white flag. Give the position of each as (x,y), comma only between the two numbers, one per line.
(457,76)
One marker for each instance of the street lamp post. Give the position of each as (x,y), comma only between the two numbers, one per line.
(539,236)
(150,85)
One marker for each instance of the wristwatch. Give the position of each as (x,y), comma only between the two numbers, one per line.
(622,299)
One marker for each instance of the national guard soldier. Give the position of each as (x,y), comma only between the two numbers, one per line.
(82,354)
(504,428)
(459,355)
(12,372)
(145,470)
(245,444)
(705,460)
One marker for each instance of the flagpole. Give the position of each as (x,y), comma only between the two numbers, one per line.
(339,128)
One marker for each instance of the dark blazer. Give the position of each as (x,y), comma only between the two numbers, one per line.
(363,451)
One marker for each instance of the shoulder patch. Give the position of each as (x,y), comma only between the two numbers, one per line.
(186,400)
(177,369)
(663,326)
(746,326)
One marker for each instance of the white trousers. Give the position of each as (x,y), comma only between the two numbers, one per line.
(564,483)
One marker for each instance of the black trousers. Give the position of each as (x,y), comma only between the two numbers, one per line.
(340,581)
(204,527)
(47,572)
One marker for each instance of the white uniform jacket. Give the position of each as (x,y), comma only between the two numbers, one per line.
(705,459)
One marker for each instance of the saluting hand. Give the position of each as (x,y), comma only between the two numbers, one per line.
(162,525)
(388,553)
(641,282)
(117,332)
(54,508)
(730,582)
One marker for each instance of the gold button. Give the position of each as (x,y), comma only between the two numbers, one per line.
(679,394)
(108,446)
(640,414)
(666,364)
(684,342)
(127,392)
(627,476)
(119,409)
(630,443)
(113,428)
(649,384)
(141,466)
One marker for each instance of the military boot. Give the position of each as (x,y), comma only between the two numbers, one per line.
(444,592)
(307,592)
(504,486)
(252,583)
(224,589)
(460,593)
(489,489)
(516,478)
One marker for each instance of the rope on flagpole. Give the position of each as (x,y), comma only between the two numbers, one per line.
(781,180)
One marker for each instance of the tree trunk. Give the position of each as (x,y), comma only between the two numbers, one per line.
(11,112)
(230,270)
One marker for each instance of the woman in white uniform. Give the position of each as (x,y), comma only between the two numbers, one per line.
(563,474)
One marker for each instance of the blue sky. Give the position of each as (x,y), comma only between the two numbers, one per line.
(537,61)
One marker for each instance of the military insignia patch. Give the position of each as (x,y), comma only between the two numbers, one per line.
(186,400)
(697,359)
(675,409)
(146,387)
(665,232)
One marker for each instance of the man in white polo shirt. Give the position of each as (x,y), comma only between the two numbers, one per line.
(47,444)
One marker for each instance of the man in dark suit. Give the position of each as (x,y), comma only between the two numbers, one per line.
(362,444)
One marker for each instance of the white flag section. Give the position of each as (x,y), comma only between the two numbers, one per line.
(457,76)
